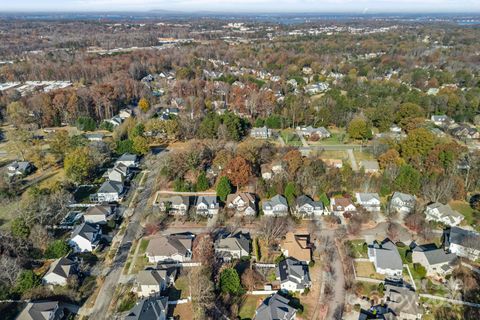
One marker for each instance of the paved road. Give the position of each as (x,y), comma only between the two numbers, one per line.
(336,305)
(133,231)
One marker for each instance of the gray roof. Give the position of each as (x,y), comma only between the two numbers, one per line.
(170,245)
(303,199)
(275,307)
(387,255)
(149,309)
(367,196)
(435,255)
(175,200)
(99,210)
(128,157)
(404,197)
(369,164)
(62,267)
(463,237)
(40,310)
(88,231)
(402,300)
(276,200)
(151,277)
(238,241)
(111,187)
(208,200)
(293,270)
(20,165)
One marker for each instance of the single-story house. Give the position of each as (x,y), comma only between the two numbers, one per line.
(233,246)
(297,246)
(369,201)
(207,205)
(463,243)
(436,261)
(149,308)
(293,275)
(174,247)
(42,310)
(275,307)
(306,208)
(59,272)
(342,205)
(177,205)
(310,131)
(85,237)
(386,258)
(19,168)
(110,191)
(243,203)
(100,214)
(276,206)
(370,166)
(443,213)
(402,203)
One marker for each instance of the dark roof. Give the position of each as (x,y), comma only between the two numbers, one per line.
(149,309)
(435,255)
(63,267)
(40,310)
(462,237)
(293,270)
(275,307)
(88,231)
(111,187)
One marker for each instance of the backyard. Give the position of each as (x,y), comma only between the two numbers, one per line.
(249,305)
(357,248)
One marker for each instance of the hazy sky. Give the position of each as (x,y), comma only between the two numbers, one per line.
(245,5)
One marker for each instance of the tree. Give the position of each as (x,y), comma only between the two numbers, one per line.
(238,171)
(57,249)
(273,228)
(224,188)
(230,281)
(20,228)
(26,281)
(144,105)
(86,124)
(418,144)
(391,158)
(202,182)
(294,162)
(408,180)
(125,146)
(407,112)
(140,145)
(290,193)
(359,129)
(79,165)
(202,291)
(251,278)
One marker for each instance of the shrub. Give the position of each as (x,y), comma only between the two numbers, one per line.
(57,249)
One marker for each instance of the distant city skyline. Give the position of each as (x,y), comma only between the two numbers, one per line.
(247,6)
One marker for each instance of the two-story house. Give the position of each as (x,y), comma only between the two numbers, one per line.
(386,258)
(443,213)
(243,203)
(207,206)
(369,201)
(277,206)
(306,208)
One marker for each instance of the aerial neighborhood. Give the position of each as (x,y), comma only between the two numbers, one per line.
(256,168)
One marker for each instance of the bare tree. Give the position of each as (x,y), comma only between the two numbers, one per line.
(201,291)
(251,278)
(438,188)
(273,228)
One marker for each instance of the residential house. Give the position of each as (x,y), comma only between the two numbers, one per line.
(297,246)
(85,237)
(403,302)
(261,133)
(443,213)
(115,121)
(94,136)
(276,206)
(100,214)
(119,173)
(125,113)
(402,203)
(306,208)
(148,309)
(436,261)
(465,132)
(395,129)
(275,307)
(370,166)
(233,246)
(342,205)
(333,163)
(310,131)
(369,201)
(243,203)
(293,275)
(152,282)
(59,272)
(174,247)
(42,310)
(316,88)
(176,205)
(386,258)
(463,243)
(19,168)
(129,160)
(110,191)
(207,206)
(441,120)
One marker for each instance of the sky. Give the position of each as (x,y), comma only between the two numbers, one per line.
(351,6)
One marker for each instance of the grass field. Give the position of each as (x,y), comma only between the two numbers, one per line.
(248,307)
(291,138)
(472,218)
(367,270)
(357,248)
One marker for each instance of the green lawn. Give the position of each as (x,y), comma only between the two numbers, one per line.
(7,213)
(291,138)
(248,307)
(472,218)
(143,246)
(181,289)
(335,139)
(357,248)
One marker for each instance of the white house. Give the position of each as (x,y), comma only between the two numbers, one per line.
(129,160)
(110,191)
(275,307)
(119,173)
(149,308)
(207,205)
(151,282)
(443,213)
(261,133)
(59,272)
(369,201)
(41,310)
(86,237)
(402,203)
(176,205)
(436,261)
(386,258)
(243,203)
(174,247)
(342,205)
(463,243)
(306,208)
(441,120)
(293,275)
(99,214)
(19,168)
(276,206)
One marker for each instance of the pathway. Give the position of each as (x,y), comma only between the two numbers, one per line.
(465,303)
(353,161)
(302,139)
